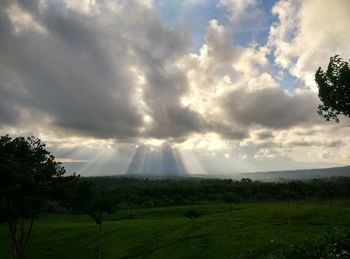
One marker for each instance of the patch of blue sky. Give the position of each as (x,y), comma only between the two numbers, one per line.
(288,82)
(256,28)
(266,6)
(195,15)
(251,32)
(283,77)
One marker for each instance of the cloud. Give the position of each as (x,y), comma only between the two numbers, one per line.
(117,71)
(68,71)
(307,33)
(306,143)
(81,68)
(9,115)
(265,134)
(271,108)
(80,72)
(238,10)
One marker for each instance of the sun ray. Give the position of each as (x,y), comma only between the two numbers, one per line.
(191,163)
(156,160)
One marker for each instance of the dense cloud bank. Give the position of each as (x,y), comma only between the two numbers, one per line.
(117,70)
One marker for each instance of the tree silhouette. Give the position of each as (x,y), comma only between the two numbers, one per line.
(27,175)
(334,89)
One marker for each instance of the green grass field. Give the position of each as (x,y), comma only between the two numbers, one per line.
(253,229)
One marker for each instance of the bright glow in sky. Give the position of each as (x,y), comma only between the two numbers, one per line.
(227,85)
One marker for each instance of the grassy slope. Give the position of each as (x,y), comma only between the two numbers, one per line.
(165,233)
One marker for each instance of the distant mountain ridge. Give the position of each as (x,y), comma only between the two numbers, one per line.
(302,174)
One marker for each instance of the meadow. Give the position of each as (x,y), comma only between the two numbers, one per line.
(249,230)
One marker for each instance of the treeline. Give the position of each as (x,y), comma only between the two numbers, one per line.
(144,192)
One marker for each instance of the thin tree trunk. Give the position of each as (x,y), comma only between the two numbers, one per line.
(288,211)
(331,211)
(16,247)
(99,242)
(25,241)
(14,244)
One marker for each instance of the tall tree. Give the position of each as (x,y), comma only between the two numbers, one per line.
(334,89)
(27,173)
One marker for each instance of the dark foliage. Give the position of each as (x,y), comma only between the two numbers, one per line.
(140,192)
(334,89)
(28,173)
(76,193)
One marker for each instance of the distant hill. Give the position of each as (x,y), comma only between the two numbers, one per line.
(297,174)
(304,174)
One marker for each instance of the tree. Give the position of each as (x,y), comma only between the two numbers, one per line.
(27,172)
(334,89)
(100,206)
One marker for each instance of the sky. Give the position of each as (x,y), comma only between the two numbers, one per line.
(222,86)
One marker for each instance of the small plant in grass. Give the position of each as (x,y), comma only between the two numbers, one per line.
(100,206)
(231,198)
(192,214)
(329,191)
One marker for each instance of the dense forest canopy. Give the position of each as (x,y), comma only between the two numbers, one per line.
(165,192)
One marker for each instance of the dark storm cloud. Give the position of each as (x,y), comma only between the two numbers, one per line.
(264,135)
(306,143)
(78,70)
(68,73)
(271,107)
(8,113)
(227,131)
